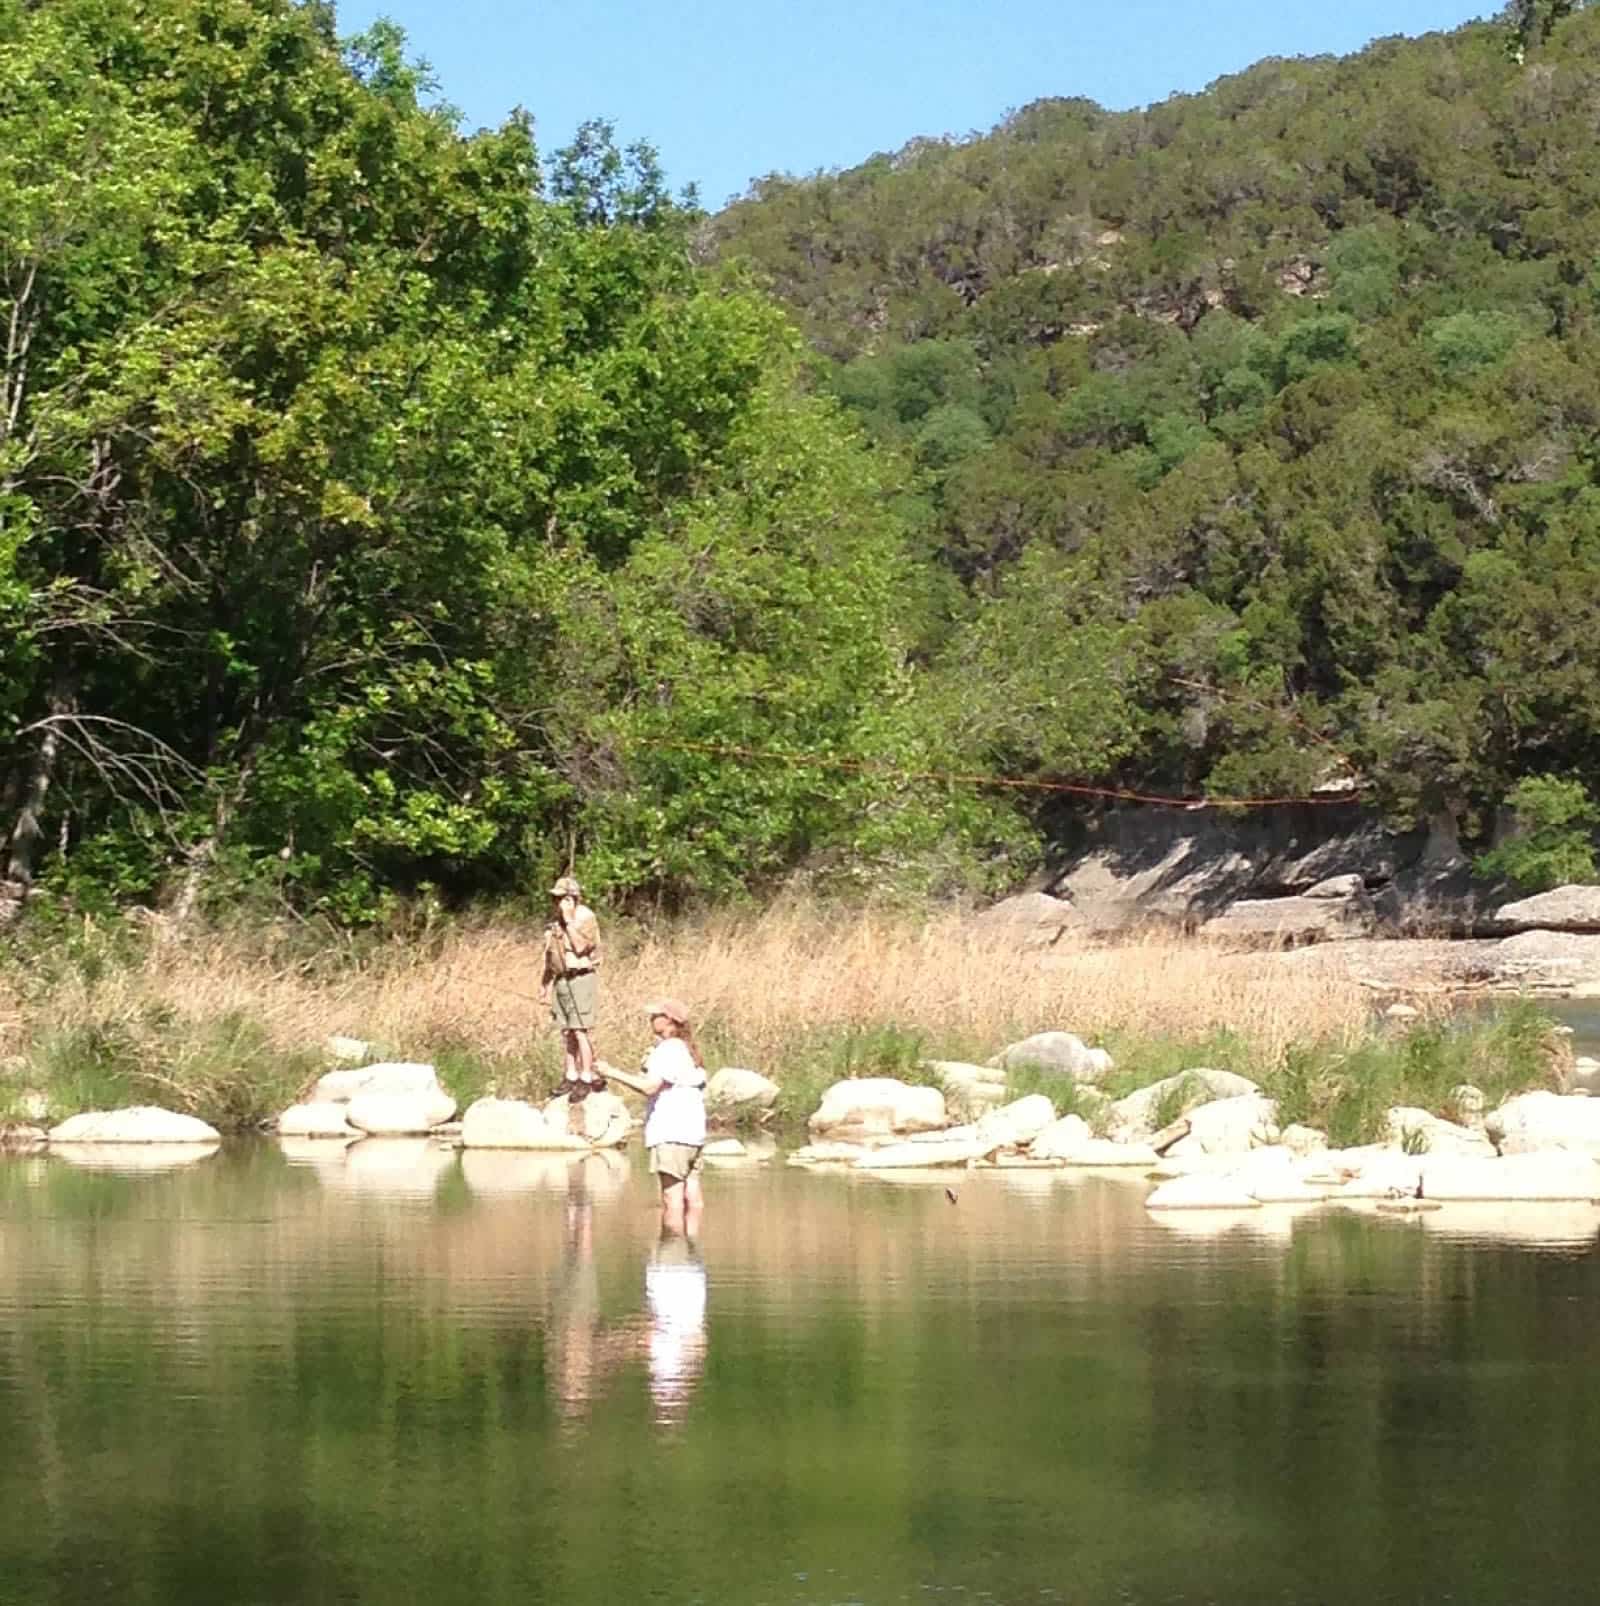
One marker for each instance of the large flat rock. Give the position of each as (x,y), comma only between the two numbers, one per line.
(339,1087)
(1552,1177)
(878,1106)
(1570,908)
(925,1156)
(1292,919)
(315,1121)
(400,1114)
(1534,1121)
(1202,1193)
(601,1119)
(514,1124)
(144,1123)
(1028,920)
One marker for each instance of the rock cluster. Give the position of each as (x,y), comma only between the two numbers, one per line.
(1222,1147)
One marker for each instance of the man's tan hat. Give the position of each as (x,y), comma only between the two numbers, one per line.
(566,887)
(672,1008)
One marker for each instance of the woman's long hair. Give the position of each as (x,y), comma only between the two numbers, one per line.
(685,1035)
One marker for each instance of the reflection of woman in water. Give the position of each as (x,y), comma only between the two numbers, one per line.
(585,1350)
(675,1291)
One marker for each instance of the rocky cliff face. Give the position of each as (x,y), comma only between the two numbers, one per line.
(1291,874)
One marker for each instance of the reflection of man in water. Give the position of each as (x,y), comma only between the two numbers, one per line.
(585,1348)
(675,1292)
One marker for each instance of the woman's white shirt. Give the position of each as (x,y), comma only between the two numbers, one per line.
(677,1113)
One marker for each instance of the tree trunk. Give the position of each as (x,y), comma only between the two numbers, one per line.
(27,834)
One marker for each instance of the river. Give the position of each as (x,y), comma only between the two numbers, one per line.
(418,1376)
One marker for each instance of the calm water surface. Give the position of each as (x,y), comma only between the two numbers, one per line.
(402,1375)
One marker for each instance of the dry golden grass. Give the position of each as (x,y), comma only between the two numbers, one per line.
(759,985)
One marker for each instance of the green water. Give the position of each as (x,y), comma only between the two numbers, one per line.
(403,1376)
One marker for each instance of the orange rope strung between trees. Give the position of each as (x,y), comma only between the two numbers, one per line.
(859,766)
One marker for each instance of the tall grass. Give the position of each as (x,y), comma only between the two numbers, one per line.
(229,1023)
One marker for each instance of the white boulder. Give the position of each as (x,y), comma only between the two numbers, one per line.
(1536,1121)
(1061,1138)
(315,1121)
(732,1089)
(601,1119)
(878,1106)
(1425,1133)
(145,1123)
(513,1124)
(347,1050)
(1202,1192)
(1541,1176)
(921,1156)
(1018,1122)
(969,1088)
(1278,1176)
(1136,1114)
(396,1115)
(1103,1152)
(828,1153)
(1397,1177)
(1303,1140)
(339,1087)
(1060,1052)
(1234,1125)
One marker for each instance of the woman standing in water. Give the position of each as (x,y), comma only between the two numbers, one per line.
(673,1079)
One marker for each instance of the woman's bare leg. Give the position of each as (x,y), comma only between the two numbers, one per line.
(672,1210)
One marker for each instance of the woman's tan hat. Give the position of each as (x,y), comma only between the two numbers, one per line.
(671,1008)
(566,887)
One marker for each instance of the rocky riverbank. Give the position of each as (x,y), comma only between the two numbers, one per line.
(1205,1138)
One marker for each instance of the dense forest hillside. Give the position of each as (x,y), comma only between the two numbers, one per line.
(388,511)
(1257,431)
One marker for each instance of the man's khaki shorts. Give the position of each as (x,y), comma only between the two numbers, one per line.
(573,1000)
(679,1161)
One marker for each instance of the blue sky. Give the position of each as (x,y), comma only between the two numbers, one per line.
(727,91)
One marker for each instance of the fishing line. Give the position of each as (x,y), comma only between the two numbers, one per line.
(861,766)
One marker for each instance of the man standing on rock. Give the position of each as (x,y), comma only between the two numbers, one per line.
(570,985)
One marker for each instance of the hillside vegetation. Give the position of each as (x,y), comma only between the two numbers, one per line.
(391,515)
(1256,431)
(383,509)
